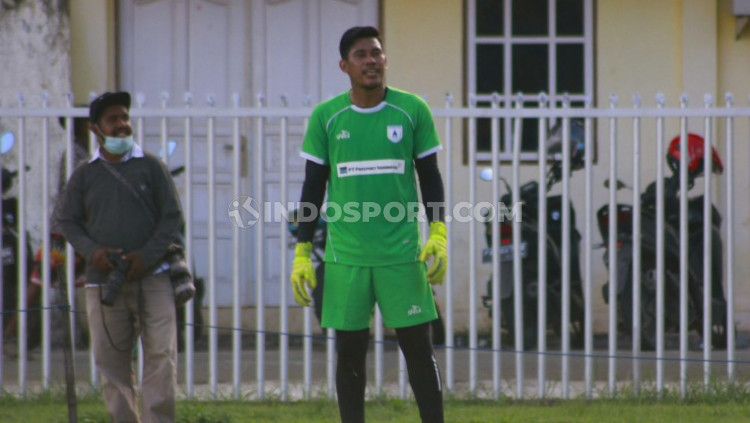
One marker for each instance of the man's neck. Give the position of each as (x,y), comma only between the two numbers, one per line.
(365,98)
(109,156)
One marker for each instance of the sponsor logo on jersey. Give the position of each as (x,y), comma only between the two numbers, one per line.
(343,135)
(414,310)
(395,133)
(370,167)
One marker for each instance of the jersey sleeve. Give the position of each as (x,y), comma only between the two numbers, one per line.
(315,144)
(426,139)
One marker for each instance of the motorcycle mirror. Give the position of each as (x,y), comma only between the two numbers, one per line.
(7,140)
(171,146)
(177,171)
(620,185)
(486,174)
(577,139)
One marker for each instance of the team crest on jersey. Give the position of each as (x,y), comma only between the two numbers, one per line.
(395,133)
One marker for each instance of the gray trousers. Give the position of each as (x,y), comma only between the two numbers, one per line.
(146,309)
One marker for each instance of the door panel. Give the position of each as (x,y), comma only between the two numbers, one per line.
(160,44)
(209,29)
(221,47)
(286,52)
(339,15)
(196,46)
(295,49)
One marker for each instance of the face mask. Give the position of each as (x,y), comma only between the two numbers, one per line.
(118,145)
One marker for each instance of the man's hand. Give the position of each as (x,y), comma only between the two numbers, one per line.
(303,273)
(136,266)
(100,259)
(437,248)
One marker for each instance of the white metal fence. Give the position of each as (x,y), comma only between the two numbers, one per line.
(469,368)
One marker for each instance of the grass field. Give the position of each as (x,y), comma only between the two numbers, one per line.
(91,409)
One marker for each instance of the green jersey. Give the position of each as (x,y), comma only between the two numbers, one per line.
(372,202)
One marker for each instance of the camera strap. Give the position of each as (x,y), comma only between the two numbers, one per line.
(175,250)
(131,188)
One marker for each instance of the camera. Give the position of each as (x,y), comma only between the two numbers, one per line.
(116,278)
(179,275)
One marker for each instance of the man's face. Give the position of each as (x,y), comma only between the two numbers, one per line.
(114,122)
(365,64)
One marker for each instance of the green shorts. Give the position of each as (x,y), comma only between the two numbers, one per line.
(401,291)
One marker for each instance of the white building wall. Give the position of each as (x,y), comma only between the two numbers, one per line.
(34,58)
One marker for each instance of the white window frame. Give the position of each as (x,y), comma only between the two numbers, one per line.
(508,40)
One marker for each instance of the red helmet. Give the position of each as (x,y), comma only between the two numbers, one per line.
(696,150)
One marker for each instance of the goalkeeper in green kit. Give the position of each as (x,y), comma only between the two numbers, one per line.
(366,145)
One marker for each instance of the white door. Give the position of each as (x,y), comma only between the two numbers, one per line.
(295,54)
(196,46)
(221,47)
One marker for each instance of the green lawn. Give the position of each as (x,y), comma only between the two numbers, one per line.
(47,409)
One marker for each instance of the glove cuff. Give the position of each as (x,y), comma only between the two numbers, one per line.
(438,229)
(303,249)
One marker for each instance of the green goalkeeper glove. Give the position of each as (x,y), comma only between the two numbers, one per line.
(437,248)
(303,273)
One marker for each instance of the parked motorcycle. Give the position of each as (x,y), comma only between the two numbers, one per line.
(529,195)
(437,328)
(57,293)
(671,252)
(10,253)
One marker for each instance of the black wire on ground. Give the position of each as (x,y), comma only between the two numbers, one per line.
(394,343)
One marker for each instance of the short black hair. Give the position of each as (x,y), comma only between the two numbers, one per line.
(353,34)
(99,104)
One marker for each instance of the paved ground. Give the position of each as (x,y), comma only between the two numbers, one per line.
(461,370)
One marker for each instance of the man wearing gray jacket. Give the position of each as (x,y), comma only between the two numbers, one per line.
(121,212)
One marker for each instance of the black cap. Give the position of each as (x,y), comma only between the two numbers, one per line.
(99,104)
(353,34)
